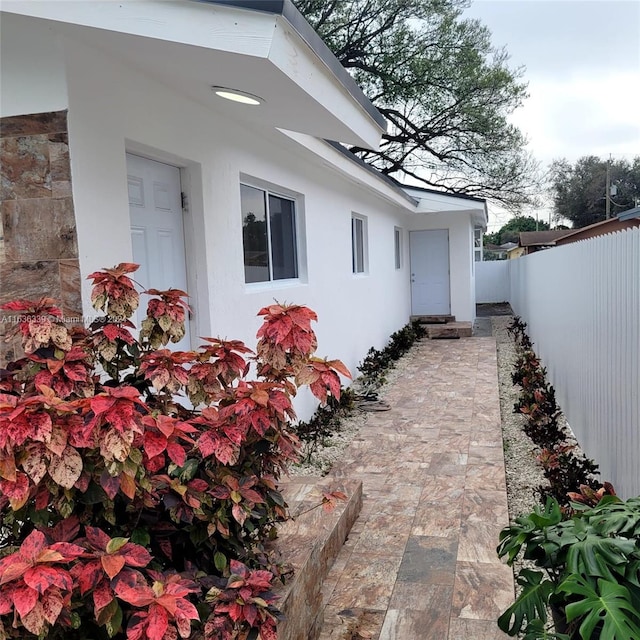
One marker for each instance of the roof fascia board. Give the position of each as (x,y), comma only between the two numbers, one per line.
(436,199)
(333,157)
(390,182)
(188,23)
(438,192)
(480,213)
(300,63)
(343,160)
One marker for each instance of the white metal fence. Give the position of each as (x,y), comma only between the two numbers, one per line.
(582,304)
(492,281)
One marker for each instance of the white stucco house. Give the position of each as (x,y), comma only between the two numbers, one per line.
(117,146)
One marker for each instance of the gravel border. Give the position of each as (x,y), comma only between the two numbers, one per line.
(524,472)
(333,447)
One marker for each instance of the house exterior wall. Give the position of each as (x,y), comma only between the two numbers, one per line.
(113,109)
(26,45)
(462,268)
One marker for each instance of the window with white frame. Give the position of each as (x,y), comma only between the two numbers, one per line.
(359,243)
(397,242)
(269,235)
(477,244)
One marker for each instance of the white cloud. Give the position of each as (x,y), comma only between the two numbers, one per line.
(583,115)
(582,63)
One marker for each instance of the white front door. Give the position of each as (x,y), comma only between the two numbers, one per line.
(429,254)
(157,229)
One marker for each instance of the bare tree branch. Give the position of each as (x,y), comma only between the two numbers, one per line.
(445,91)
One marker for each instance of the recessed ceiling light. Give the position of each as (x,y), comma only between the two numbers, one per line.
(237,96)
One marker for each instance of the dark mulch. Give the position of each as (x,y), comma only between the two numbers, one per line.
(485,310)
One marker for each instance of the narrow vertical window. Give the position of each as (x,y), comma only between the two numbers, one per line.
(254,234)
(358,244)
(269,235)
(477,244)
(397,240)
(282,218)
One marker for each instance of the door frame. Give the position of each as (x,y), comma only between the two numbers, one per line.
(448,231)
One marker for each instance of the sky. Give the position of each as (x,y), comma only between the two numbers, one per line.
(582,65)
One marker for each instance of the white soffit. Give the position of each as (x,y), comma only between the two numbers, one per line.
(191,46)
(431,202)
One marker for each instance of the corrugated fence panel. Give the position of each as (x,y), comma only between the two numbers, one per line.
(492,281)
(582,304)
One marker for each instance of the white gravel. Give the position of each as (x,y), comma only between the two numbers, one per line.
(524,473)
(332,448)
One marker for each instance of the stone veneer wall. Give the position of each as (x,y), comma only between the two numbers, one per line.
(38,242)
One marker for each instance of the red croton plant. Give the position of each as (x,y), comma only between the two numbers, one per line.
(124,514)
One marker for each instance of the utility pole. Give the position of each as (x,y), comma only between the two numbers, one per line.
(607,195)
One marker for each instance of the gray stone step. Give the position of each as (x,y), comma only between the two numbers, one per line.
(449,331)
(433,319)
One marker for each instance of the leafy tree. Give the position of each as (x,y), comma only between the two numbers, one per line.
(510,231)
(444,89)
(579,190)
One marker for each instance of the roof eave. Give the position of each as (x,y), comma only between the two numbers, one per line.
(191,46)
(299,24)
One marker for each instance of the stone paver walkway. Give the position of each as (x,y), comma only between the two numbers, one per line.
(420,562)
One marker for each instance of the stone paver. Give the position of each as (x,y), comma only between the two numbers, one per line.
(420,562)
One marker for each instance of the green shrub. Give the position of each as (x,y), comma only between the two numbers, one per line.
(376,363)
(587,571)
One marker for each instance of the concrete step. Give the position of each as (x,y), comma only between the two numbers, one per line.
(433,319)
(449,331)
(311,543)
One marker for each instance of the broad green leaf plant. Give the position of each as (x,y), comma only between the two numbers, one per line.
(589,571)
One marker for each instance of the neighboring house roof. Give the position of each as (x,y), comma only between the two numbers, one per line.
(601,228)
(629,214)
(494,247)
(541,238)
(507,246)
